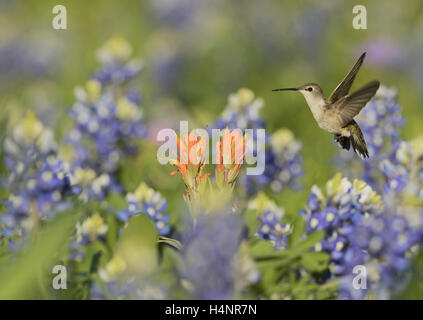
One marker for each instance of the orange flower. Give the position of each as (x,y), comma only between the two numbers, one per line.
(231,152)
(190,162)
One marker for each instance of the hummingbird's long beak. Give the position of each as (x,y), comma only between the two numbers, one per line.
(286,89)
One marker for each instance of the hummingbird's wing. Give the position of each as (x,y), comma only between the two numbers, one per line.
(349,106)
(344,87)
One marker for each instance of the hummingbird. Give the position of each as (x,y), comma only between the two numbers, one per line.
(336,113)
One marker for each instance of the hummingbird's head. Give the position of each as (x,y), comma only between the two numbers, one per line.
(311,92)
(307,90)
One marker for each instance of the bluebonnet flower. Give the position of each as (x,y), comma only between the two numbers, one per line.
(385,243)
(118,284)
(108,118)
(360,231)
(116,69)
(403,176)
(150,202)
(175,14)
(29,59)
(88,231)
(380,122)
(105,128)
(212,264)
(283,163)
(270,216)
(168,62)
(89,185)
(345,205)
(405,168)
(241,112)
(38,181)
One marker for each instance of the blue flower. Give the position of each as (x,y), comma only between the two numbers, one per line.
(150,202)
(242,112)
(360,231)
(283,163)
(405,168)
(107,114)
(38,181)
(88,231)
(385,241)
(32,59)
(209,252)
(270,216)
(119,284)
(338,212)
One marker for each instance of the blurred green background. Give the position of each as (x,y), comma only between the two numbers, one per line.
(197,52)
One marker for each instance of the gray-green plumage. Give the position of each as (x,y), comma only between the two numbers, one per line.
(336,114)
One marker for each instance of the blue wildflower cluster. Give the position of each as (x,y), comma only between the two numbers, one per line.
(216,264)
(150,202)
(383,243)
(359,231)
(241,112)
(116,69)
(403,177)
(38,180)
(381,121)
(89,185)
(283,163)
(28,59)
(346,205)
(107,115)
(117,284)
(270,216)
(90,230)
(404,171)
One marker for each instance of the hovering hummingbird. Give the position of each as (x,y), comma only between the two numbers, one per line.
(336,114)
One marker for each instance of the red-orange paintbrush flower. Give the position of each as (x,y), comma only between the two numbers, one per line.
(190,160)
(231,151)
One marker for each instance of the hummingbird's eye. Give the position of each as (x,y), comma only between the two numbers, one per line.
(310,89)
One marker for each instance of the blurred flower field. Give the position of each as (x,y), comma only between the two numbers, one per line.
(82,186)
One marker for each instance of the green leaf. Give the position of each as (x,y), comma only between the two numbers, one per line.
(414,289)
(251,221)
(315,261)
(138,245)
(117,201)
(112,231)
(309,242)
(299,229)
(262,248)
(94,253)
(21,278)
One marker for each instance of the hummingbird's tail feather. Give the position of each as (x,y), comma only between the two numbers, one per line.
(343,142)
(357,139)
